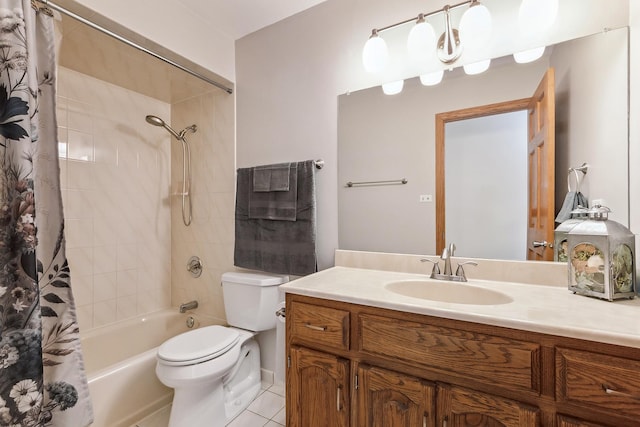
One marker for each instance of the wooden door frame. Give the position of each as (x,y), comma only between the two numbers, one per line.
(453,116)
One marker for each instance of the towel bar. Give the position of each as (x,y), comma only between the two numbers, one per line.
(583,169)
(390,182)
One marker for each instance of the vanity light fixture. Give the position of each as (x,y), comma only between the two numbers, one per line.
(393,88)
(422,38)
(432,79)
(477,67)
(475,26)
(534,17)
(475,29)
(375,54)
(449,48)
(473,33)
(529,55)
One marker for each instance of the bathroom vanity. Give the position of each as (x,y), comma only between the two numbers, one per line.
(363,350)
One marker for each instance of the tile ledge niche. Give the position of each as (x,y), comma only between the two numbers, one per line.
(529,272)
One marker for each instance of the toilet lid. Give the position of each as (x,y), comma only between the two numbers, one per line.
(199,345)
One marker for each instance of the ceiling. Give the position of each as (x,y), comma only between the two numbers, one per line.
(237,18)
(95,54)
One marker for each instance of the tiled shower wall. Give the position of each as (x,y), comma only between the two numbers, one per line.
(210,235)
(115,176)
(126,243)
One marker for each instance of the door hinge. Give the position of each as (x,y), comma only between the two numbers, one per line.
(356,384)
(288,361)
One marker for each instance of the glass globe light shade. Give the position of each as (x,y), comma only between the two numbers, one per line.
(393,88)
(475,26)
(375,54)
(421,42)
(431,79)
(528,55)
(536,16)
(477,67)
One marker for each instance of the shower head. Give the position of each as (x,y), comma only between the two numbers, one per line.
(157,121)
(154,120)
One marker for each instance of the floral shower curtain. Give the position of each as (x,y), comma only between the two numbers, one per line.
(42,379)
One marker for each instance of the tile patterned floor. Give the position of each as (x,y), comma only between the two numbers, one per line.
(267,410)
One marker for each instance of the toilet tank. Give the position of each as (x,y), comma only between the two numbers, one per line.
(251,299)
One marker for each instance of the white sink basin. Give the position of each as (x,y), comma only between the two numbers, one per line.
(453,292)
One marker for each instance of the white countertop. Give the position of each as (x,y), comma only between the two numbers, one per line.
(538,308)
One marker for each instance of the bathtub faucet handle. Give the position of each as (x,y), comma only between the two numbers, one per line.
(191,305)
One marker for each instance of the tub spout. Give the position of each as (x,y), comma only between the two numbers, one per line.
(188,306)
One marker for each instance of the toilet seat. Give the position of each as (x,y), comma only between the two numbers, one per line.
(197,346)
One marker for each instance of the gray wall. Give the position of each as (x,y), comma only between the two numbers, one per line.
(590,127)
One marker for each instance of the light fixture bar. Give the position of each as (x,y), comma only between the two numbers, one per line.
(424,15)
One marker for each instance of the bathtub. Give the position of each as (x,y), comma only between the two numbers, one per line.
(120,360)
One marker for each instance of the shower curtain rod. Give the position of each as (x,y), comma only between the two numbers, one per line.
(133,44)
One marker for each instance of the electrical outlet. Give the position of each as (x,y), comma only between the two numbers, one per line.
(425,198)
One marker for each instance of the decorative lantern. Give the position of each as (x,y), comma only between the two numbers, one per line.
(601,257)
(560,247)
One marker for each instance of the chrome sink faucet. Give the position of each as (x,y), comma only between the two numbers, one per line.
(447,274)
(447,253)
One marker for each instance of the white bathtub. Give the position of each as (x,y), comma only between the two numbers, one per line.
(120,360)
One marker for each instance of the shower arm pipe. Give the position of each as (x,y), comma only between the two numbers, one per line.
(133,44)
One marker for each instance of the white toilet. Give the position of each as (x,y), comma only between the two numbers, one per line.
(215,370)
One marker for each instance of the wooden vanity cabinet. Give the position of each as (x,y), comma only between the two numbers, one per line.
(360,366)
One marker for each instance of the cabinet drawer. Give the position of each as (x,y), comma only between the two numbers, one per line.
(598,381)
(491,359)
(314,324)
(564,421)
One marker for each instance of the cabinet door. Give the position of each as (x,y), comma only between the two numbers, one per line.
(459,407)
(318,390)
(391,399)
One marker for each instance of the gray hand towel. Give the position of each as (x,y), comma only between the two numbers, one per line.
(271,177)
(274,205)
(571,202)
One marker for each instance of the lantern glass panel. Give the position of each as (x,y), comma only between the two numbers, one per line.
(622,269)
(587,267)
(563,248)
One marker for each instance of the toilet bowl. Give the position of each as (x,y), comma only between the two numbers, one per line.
(215,370)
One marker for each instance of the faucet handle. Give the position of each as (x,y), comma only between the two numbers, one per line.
(460,270)
(436,267)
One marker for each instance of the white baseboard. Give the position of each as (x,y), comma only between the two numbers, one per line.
(266,376)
